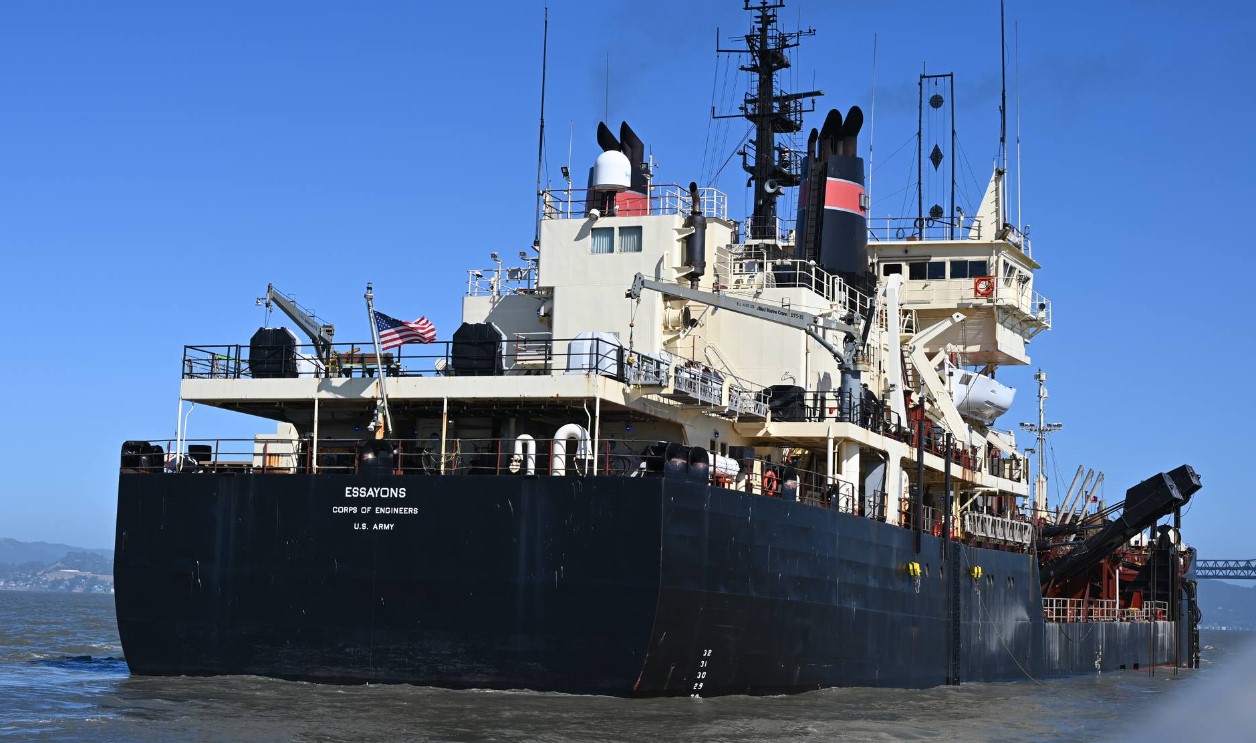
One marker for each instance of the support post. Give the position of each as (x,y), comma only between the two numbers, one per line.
(314,445)
(444,427)
(951,553)
(597,425)
(849,454)
(918,499)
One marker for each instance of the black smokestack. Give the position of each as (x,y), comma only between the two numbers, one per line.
(605,139)
(695,243)
(833,194)
(634,148)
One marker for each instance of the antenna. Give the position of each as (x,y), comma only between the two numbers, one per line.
(540,144)
(1019,223)
(571,133)
(872,118)
(1002,116)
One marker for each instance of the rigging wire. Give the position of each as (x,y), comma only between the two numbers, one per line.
(1055,463)
(972,173)
(887,160)
(708,150)
(725,126)
(744,138)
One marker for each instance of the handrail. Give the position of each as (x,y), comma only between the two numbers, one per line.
(1065,610)
(268,454)
(660,199)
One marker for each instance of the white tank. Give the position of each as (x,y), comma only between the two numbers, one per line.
(612,172)
(981,398)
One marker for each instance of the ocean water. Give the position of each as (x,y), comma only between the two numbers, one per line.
(62,677)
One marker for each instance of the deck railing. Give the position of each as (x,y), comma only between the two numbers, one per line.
(1101,610)
(518,354)
(539,456)
(660,199)
(538,354)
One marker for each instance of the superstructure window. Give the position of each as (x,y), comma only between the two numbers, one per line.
(926,271)
(604,240)
(969,269)
(889,269)
(630,239)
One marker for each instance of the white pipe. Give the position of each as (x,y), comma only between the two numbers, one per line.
(558,449)
(444,427)
(525,454)
(314,461)
(828,464)
(179,445)
(178,425)
(597,426)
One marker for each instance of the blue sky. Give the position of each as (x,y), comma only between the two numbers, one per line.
(161,162)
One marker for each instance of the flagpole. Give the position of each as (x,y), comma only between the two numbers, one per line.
(379,360)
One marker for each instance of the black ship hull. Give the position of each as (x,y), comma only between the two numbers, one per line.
(605,585)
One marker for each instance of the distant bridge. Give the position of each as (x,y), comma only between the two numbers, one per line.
(1234,569)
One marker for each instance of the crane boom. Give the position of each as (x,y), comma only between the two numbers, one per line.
(810,323)
(320,334)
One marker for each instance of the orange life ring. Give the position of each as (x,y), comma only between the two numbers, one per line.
(770,483)
(983,286)
(937,530)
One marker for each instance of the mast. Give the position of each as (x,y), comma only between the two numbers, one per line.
(771,111)
(1041,429)
(1002,118)
(540,144)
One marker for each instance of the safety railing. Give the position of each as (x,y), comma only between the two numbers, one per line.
(1080,610)
(570,451)
(703,385)
(1101,610)
(987,526)
(660,199)
(747,402)
(522,353)
(889,229)
(772,229)
(1013,292)
(933,519)
(501,280)
(748,268)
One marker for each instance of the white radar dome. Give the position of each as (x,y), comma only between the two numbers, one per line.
(612,172)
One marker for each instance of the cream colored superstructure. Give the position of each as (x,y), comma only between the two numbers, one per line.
(919,323)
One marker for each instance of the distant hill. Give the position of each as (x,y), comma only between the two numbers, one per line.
(1227,605)
(13,552)
(40,566)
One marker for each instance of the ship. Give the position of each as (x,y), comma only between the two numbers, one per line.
(666,453)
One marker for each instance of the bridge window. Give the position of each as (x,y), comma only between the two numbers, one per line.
(926,271)
(889,269)
(969,269)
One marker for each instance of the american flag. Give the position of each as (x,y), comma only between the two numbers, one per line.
(394,332)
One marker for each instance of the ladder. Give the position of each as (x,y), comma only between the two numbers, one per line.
(815,211)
